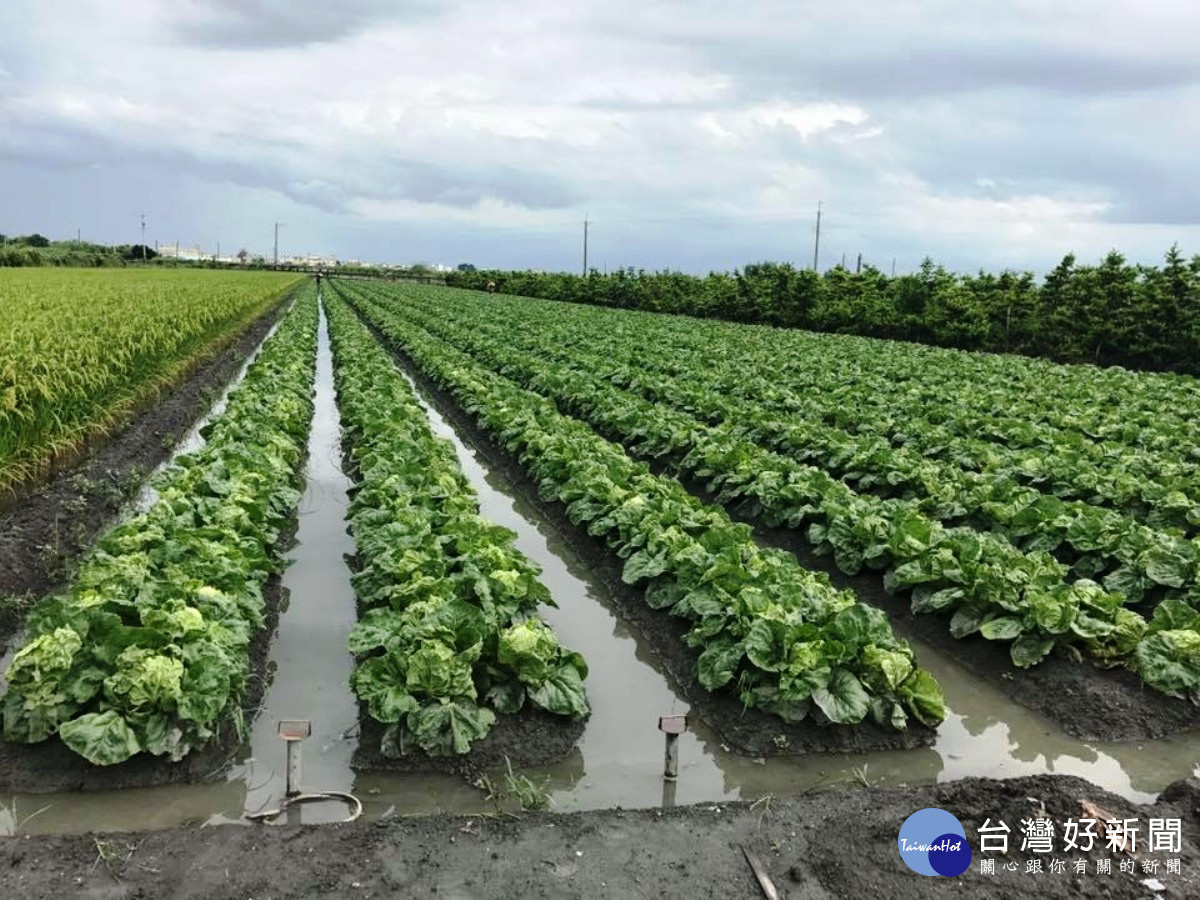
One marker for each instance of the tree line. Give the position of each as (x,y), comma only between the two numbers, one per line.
(1114,313)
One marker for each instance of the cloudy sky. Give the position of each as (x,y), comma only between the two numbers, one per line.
(694,135)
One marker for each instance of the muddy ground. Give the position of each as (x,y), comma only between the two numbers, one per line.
(822,845)
(750,732)
(45,527)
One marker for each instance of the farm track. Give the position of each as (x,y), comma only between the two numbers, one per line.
(829,844)
(748,731)
(49,524)
(1086,701)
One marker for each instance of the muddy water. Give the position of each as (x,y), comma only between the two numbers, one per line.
(310,664)
(620,755)
(619,758)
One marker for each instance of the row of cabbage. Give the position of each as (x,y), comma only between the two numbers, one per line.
(1129,557)
(893,410)
(778,635)
(79,348)
(148,650)
(1027,598)
(448,635)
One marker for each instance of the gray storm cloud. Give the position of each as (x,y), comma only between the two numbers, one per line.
(695,135)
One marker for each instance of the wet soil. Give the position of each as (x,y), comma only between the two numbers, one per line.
(831,844)
(532,737)
(46,526)
(750,732)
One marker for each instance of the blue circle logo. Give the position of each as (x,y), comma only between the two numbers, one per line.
(933,842)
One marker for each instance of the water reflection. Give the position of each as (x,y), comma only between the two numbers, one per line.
(619,759)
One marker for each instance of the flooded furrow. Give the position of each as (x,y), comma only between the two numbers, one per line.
(620,755)
(618,761)
(310,662)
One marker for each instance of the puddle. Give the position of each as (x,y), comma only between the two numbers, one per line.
(618,761)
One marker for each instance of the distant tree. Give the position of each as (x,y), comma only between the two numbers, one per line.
(242,256)
(420,269)
(467,267)
(137,251)
(36,240)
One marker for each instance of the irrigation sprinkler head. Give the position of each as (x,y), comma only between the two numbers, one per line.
(672,727)
(672,724)
(292,732)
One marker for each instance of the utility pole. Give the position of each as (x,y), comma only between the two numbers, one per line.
(817,241)
(893,267)
(858,265)
(277,224)
(77,239)
(218,259)
(585,237)
(143,237)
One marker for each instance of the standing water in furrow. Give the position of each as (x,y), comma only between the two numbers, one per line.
(619,757)
(620,754)
(309,664)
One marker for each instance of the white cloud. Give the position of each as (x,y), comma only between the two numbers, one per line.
(399,122)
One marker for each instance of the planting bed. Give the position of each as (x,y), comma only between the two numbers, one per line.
(154,645)
(1079,696)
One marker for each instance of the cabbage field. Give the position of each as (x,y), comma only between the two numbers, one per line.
(785,501)
(1051,509)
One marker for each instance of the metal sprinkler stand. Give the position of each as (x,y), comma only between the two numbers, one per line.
(672,727)
(293,731)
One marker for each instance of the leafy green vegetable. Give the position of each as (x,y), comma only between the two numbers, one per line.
(148,649)
(103,739)
(449,605)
